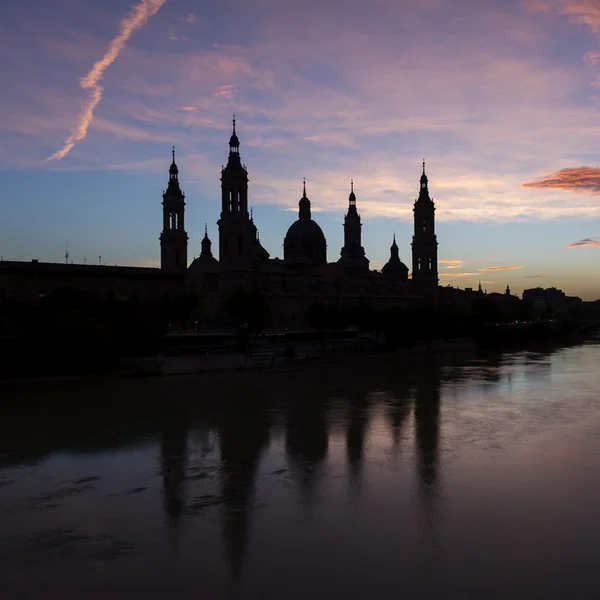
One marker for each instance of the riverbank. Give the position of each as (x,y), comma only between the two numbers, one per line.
(274,360)
(235,364)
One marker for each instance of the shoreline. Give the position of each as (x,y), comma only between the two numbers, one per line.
(239,364)
(146,368)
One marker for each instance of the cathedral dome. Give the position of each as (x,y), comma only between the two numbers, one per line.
(395,267)
(305,243)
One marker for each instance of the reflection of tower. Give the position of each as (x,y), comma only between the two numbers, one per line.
(427,409)
(243,433)
(398,410)
(174,458)
(358,421)
(307,441)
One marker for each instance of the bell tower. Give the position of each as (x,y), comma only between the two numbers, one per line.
(353,254)
(424,244)
(173,239)
(236,232)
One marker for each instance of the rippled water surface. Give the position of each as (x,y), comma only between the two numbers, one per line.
(465,478)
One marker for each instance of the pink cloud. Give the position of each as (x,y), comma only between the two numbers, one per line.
(451,263)
(501,268)
(177,37)
(584,242)
(575,179)
(592,58)
(130,132)
(139,15)
(225,91)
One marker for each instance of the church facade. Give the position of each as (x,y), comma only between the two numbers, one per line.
(290,285)
(303,277)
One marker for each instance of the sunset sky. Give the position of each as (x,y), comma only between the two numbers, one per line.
(501,97)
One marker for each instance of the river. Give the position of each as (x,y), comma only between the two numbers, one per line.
(473,478)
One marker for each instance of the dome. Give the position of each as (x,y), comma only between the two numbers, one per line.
(305,243)
(395,268)
(391,267)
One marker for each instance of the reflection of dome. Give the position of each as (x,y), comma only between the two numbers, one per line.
(305,242)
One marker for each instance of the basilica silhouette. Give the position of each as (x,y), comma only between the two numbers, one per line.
(290,285)
(303,276)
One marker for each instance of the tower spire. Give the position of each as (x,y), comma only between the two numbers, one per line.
(234,142)
(394,250)
(173,239)
(173,170)
(424,244)
(424,178)
(352,196)
(304,204)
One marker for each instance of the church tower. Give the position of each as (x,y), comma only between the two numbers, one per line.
(173,239)
(353,254)
(424,244)
(236,229)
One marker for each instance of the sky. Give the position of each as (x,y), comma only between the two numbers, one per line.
(500,97)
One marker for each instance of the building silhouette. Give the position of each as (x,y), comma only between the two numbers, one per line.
(292,284)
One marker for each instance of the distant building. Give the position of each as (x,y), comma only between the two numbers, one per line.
(551,298)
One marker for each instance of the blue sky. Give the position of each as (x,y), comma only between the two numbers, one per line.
(500,96)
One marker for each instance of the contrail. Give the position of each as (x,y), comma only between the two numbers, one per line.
(138,17)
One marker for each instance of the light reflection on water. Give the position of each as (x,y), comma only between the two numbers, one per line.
(454,479)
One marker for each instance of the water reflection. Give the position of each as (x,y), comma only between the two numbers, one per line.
(376,456)
(357,424)
(306,442)
(174,446)
(427,433)
(244,434)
